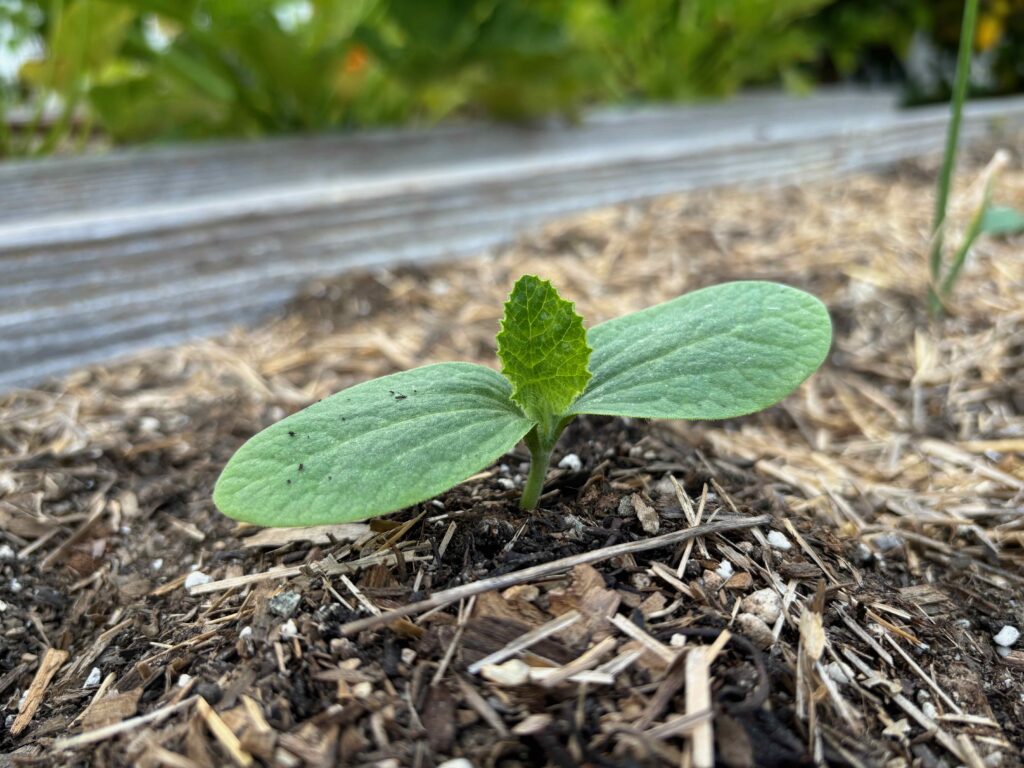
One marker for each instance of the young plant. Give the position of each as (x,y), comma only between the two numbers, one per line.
(987,219)
(386,444)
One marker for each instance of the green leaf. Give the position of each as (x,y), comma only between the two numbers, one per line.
(1000,220)
(373,448)
(543,349)
(717,353)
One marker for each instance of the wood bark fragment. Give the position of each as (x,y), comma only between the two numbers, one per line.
(52,660)
(698,699)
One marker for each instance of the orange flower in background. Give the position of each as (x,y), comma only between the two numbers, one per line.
(356,59)
(988,33)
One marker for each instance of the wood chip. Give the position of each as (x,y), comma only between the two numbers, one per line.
(223,734)
(646,514)
(698,700)
(53,660)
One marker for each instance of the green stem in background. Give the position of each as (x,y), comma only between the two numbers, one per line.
(963,68)
(541,442)
(961,255)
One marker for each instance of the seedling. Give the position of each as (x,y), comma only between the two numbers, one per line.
(987,219)
(386,444)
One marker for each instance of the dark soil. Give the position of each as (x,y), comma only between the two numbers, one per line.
(110,581)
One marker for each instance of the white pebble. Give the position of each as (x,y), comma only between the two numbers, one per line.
(408,656)
(888,541)
(6,553)
(571,462)
(196,578)
(507,483)
(245,632)
(289,630)
(15,586)
(929,710)
(765,604)
(157,564)
(1007,636)
(724,570)
(839,673)
(458,762)
(184,679)
(3,606)
(779,541)
(93,679)
(149,424)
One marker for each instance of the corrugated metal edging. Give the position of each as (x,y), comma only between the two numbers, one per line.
(111,260)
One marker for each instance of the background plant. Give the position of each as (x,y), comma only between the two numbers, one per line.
(138,70)
(388,443)
(945,271)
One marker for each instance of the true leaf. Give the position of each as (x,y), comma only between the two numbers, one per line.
(716,353)
(373,448)
(543,349)
(1000,220)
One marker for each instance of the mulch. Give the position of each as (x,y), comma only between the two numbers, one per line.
(819,583)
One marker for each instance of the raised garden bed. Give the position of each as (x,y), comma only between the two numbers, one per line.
(884,499)
(104,255)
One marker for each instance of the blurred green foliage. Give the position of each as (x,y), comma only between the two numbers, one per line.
(168,69)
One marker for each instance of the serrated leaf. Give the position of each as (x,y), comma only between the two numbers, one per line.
(374,448)
(543,349)
(1000,220)
(716,353)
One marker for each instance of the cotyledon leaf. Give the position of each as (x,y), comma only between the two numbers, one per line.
(716,353)
(374,448)
(543,349)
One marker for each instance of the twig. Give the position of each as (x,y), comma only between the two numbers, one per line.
(582,663)
(99,505)
(525,641)
(485,710)
(449,653)
(546,569)
(679,726)
(328,566)
(628,628)
(116,729)
(363,600)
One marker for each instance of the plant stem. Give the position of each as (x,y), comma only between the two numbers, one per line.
(540,458)
(961,255)
(963,68)
(541,442)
